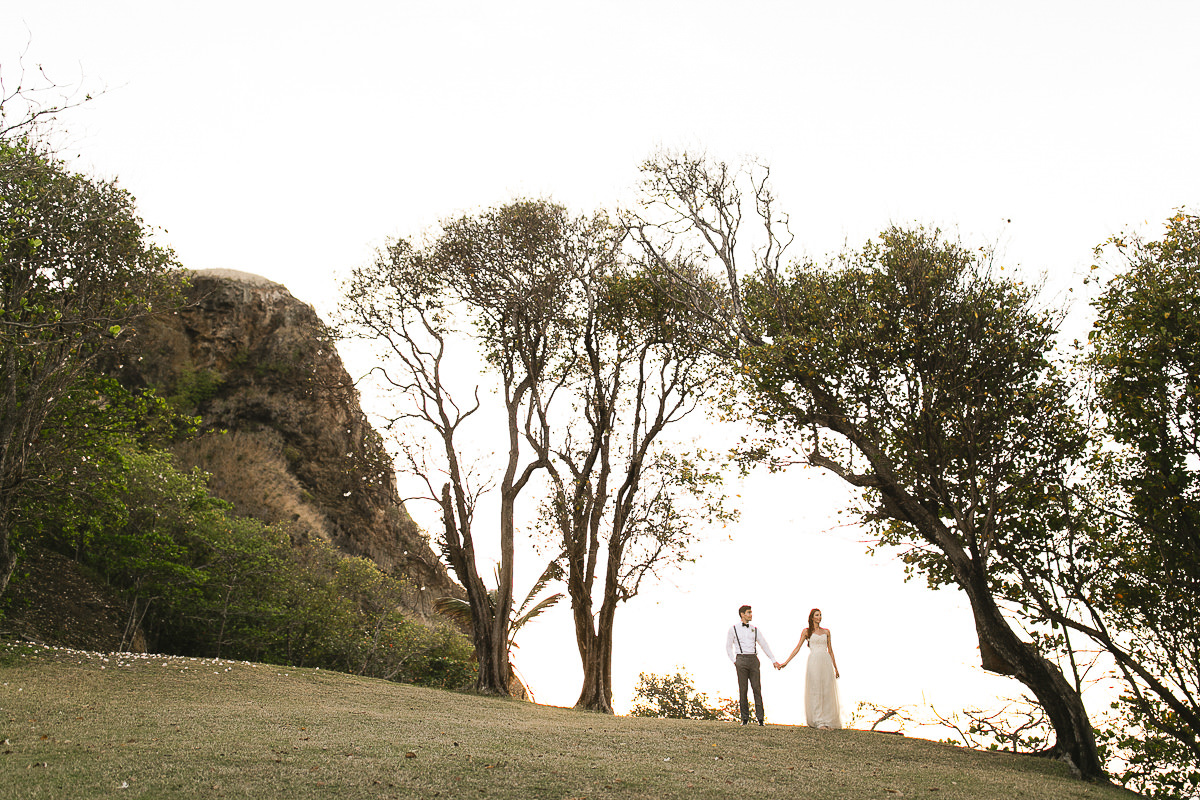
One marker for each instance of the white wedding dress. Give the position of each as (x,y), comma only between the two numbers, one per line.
(821,706)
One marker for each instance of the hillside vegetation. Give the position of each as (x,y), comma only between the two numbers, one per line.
(81,725)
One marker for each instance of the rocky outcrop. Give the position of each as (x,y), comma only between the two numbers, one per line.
(284,436)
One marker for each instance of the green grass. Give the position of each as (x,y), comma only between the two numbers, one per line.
(77,725)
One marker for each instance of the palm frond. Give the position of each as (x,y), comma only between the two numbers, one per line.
(552,572)
(537,610)
(455,609)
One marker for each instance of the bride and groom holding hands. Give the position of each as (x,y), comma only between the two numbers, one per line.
(821,706)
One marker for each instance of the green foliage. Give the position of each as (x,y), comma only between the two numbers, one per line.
(77,468)
(201,581)
(1146,354)
(342,614)
(673,697)
(513,267)
(77,270)
(1145,361)
(1145,756)
(915,349)
(193,387)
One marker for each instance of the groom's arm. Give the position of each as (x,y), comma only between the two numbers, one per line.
(766,648)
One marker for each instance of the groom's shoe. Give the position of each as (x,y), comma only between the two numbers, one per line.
(760,722)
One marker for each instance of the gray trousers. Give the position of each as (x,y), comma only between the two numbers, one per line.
(747,673)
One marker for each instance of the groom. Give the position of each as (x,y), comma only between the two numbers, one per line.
(741,645)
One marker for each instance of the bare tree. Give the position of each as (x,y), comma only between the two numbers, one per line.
(501,276)
(35,100)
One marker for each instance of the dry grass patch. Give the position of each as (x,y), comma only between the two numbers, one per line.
(83,725)
(250,470)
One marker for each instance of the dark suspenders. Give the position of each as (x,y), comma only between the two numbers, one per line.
(738,636)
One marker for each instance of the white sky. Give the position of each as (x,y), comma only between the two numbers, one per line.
(291,144)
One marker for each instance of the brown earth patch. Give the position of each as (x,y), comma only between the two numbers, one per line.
(53,600)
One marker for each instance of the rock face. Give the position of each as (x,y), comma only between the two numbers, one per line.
(285,438)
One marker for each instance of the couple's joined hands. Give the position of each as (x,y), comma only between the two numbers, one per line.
(836,674)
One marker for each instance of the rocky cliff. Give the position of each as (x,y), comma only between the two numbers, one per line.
(284,436)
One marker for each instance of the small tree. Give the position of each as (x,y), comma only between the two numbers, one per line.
(673,697)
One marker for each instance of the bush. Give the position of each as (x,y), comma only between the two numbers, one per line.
(202,581)
(674,697)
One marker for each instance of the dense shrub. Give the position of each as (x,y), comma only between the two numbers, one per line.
(675,697)
(202,581)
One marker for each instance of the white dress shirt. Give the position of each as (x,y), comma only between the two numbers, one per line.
(743,638)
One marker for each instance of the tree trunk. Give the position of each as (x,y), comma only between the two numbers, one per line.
(595,652)
(491,652)
(502,612)
(8,560)
(8,553)
(1003,651)
(493,676)
(593,637)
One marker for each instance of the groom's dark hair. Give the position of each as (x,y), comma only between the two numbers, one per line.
(743,610)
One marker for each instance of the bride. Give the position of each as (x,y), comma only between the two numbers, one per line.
(821,706)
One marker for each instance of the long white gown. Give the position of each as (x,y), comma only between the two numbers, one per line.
(822,708)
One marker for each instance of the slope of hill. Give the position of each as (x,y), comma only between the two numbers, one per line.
(85,725)
(284,436)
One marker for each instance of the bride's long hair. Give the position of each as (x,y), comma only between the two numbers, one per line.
(812,626)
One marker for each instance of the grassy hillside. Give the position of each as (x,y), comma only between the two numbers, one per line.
(82,725)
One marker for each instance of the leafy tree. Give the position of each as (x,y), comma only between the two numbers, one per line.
(1146,355)
(76,270)
(199,580)
(590,380)
(1121,563)
(624,498)
(502,273)
(1127,572)
(673,697)
(910,370)
(83,461)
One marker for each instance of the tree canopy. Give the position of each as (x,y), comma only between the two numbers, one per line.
(909,369)
(592,372)
(77,269)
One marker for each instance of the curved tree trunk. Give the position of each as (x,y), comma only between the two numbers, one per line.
(1003,651)
(1000,648)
